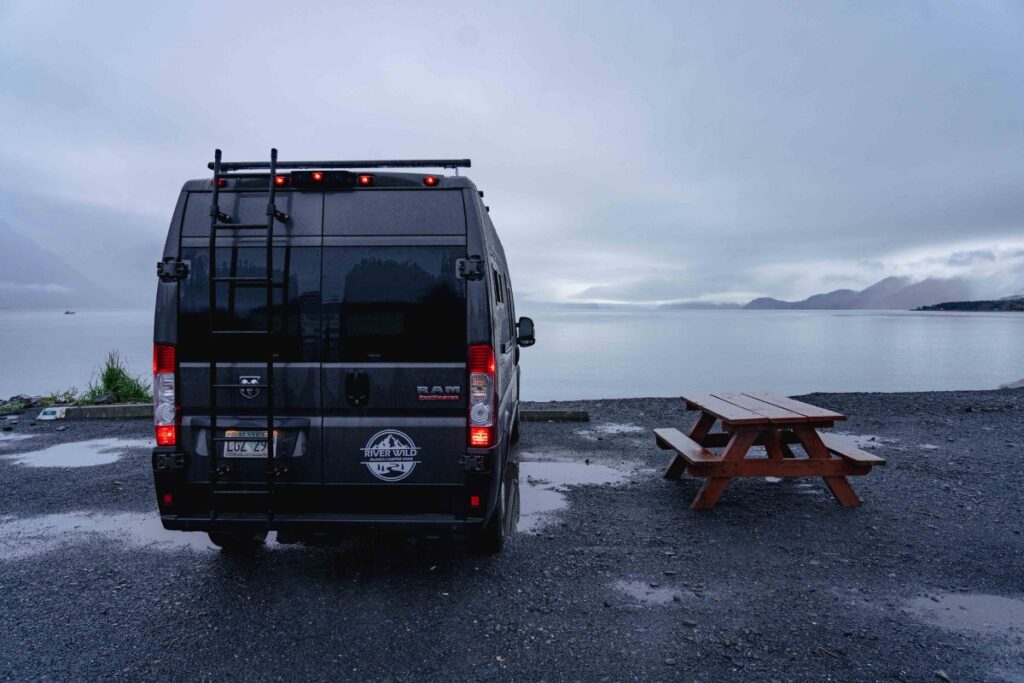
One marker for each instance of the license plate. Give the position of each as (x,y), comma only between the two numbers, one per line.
(254,448)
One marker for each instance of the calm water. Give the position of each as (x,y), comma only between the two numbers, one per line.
(607,354)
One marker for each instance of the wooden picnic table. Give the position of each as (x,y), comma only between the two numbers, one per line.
(761,419)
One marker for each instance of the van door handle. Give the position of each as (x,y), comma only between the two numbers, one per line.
(357,388)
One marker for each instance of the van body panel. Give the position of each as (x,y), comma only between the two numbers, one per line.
(305,212)
(394,212)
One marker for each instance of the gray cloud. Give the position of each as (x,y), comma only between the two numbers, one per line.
(628,151)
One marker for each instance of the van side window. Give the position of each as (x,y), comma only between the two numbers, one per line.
(499,297)
(511,307)
(500,314)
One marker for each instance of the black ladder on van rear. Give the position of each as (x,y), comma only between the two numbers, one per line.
(221,223)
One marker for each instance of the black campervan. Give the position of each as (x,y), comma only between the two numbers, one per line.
(335,351)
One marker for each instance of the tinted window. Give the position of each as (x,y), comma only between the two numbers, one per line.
(394,304)
(297,305)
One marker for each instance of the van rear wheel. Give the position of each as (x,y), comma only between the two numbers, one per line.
(514,436)
(235,542)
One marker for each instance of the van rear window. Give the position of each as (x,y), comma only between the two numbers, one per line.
(296,300)
(393,304)
(387,304)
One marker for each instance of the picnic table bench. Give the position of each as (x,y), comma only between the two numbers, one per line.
(774,422)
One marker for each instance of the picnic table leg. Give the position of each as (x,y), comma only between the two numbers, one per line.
(700,429)
(839,486)
(776,447)
(739,443)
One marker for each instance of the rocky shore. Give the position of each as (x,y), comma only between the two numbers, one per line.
(622,583)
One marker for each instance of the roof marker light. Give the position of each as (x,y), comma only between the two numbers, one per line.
(280,180)
(365,180)
(317,176)
(430,180)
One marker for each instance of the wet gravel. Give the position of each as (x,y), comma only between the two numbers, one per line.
(925,581)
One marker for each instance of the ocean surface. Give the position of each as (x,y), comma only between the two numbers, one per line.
(616,353)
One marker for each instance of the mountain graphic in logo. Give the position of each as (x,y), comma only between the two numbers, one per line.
(390,455)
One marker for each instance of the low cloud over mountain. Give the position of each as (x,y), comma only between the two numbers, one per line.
(32,277)
(892,293)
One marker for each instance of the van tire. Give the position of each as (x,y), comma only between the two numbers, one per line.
(491,539)
(232,542)
(514,435)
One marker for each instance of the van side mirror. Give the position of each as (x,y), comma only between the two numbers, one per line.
(524,332)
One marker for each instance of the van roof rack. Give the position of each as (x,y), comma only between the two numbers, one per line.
(392,163)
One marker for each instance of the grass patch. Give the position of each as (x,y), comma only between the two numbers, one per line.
(114,384)
(115,380)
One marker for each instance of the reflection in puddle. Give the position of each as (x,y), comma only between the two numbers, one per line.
(20,538)
(11,438)
(967,613)
(869,440)
(79,453)
(542,487)
(609,429)
(648,594)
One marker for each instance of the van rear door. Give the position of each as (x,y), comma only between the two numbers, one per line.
(394,364)
(242,359)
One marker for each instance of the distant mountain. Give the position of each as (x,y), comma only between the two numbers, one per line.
(32,277)
(892,293)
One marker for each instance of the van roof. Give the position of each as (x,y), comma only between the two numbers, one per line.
(382,180)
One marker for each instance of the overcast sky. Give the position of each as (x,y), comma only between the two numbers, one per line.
(629,151)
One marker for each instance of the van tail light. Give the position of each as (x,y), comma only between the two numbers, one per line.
(481,396)
(165,396)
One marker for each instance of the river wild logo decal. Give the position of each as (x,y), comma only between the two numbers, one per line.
(390,455)
(249,391)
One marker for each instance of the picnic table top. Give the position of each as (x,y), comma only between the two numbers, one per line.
(760,409)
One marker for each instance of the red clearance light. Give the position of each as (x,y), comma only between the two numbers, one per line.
(474,501)
(168,499)
(166,435)
(280,180)
(221,182)
(366,180)
(317,176)
(430,180)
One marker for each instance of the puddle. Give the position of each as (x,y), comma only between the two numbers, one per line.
(542,487)
(21,538)
(644,592)
(79,453)
(13,438)
(869,440)
(972,613)
(609,429)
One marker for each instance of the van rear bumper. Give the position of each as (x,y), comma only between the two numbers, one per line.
(349,524)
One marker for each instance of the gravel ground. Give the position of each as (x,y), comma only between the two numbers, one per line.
(924,582)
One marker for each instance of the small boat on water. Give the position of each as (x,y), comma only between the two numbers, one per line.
(69,312)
